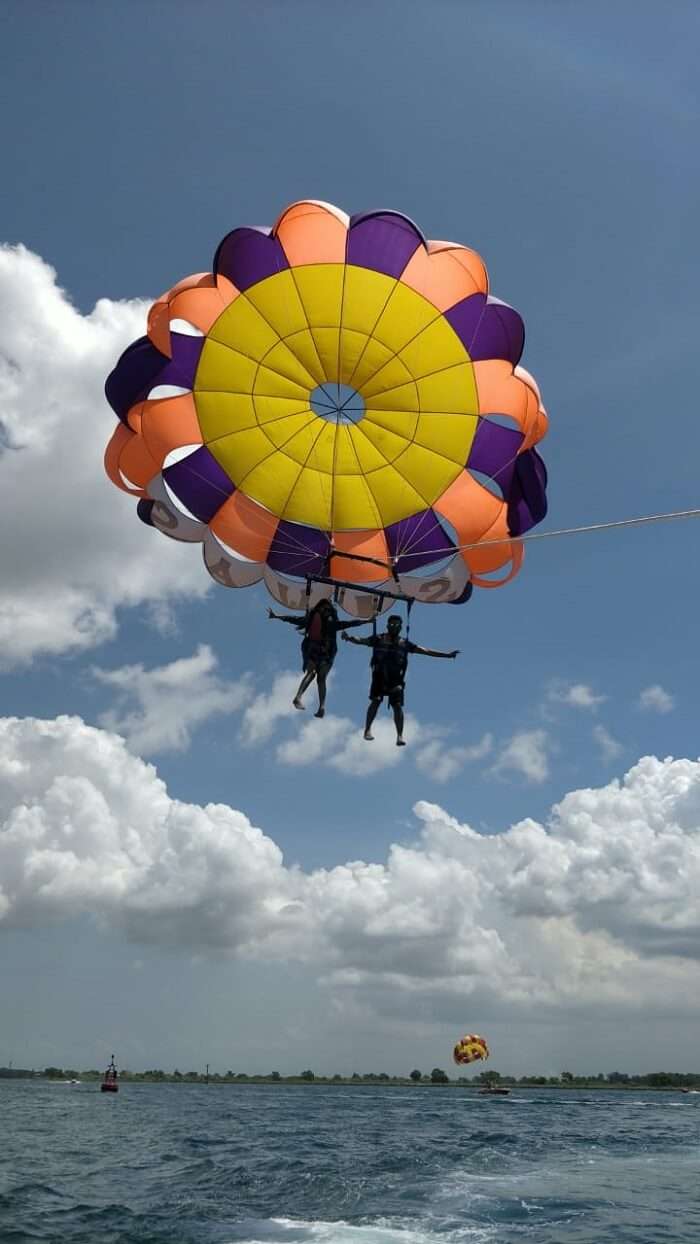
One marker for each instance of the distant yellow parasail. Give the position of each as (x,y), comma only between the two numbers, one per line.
(470,1049)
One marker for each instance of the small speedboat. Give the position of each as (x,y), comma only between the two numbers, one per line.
(110,1083)
(494,1090)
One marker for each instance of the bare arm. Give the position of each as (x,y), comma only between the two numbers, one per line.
(366,642)
(434,652)
(293,619)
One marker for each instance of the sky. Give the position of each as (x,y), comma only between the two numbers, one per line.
(190,871)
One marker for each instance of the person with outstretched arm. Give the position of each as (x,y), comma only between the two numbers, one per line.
(389,661)
(319,646)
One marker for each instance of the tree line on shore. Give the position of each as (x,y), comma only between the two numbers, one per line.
(566,1079)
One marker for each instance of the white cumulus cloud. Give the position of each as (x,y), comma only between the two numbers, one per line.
(158,709)
(337,742)
(609,746)
(598,908)
(575,695)
(526,753)
(88,827)
(442,761)
(268,708)
(656,700)
(77,549)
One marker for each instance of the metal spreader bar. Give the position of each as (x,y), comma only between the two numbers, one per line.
(373,561)
(358,557)
(380,594)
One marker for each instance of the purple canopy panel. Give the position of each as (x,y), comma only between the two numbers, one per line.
(298,550)
(528,501)
(142,367)
(249,255)
(384,241)
(199,483)
(181,368)
(488,329)
(134,375)
(494,453)
(418,541)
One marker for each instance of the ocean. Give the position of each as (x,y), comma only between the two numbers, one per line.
(323,1164)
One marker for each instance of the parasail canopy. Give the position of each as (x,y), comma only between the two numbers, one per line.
(338,399)
(470,1049)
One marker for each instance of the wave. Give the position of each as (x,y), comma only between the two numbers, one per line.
(378,1231)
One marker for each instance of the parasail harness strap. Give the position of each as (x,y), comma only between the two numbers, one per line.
(409,606)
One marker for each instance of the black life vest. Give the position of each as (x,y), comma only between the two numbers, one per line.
(390,659)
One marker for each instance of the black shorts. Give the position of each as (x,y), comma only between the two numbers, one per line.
(316,658)
(382,686)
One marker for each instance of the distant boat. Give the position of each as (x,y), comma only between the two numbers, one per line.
(110,1084)
(494,1090)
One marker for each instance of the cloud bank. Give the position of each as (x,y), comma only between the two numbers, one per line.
(599,906)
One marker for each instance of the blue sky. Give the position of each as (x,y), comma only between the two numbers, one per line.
(559,141)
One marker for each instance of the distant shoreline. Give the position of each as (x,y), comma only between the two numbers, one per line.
(360,1082)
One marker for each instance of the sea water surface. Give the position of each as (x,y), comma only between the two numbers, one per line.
(320,1164)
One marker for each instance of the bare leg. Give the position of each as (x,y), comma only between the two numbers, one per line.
(371,714)
(398,722)
(303,686)
(321,684)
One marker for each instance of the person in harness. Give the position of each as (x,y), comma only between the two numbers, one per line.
(389,661)
(318,647)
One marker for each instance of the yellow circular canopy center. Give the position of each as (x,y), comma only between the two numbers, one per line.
(272,350)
